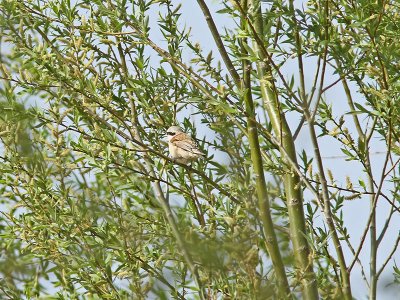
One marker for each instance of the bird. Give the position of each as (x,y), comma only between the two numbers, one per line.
(182,148)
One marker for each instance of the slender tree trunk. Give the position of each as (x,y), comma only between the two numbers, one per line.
(292,184)
(262,192)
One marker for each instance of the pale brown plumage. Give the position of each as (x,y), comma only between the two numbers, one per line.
(182,147)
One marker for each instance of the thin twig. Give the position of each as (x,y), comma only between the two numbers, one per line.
(219,42)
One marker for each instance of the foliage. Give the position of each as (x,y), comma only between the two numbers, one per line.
(93,207)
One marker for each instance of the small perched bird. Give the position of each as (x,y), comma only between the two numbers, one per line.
(182,148)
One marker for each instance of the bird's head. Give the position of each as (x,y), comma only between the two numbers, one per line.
(172,131)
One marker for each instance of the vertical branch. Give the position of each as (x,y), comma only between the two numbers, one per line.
(196,203)
(218,42)
(372,221)
(350,101)
(345,275)
(261,187)
(292,183)
(374,244)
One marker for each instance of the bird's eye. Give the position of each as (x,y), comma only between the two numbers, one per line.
(170,133)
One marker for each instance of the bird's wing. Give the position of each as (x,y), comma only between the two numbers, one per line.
(186,143)
(188,146)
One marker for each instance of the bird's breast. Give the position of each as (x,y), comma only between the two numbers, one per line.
(173,150)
